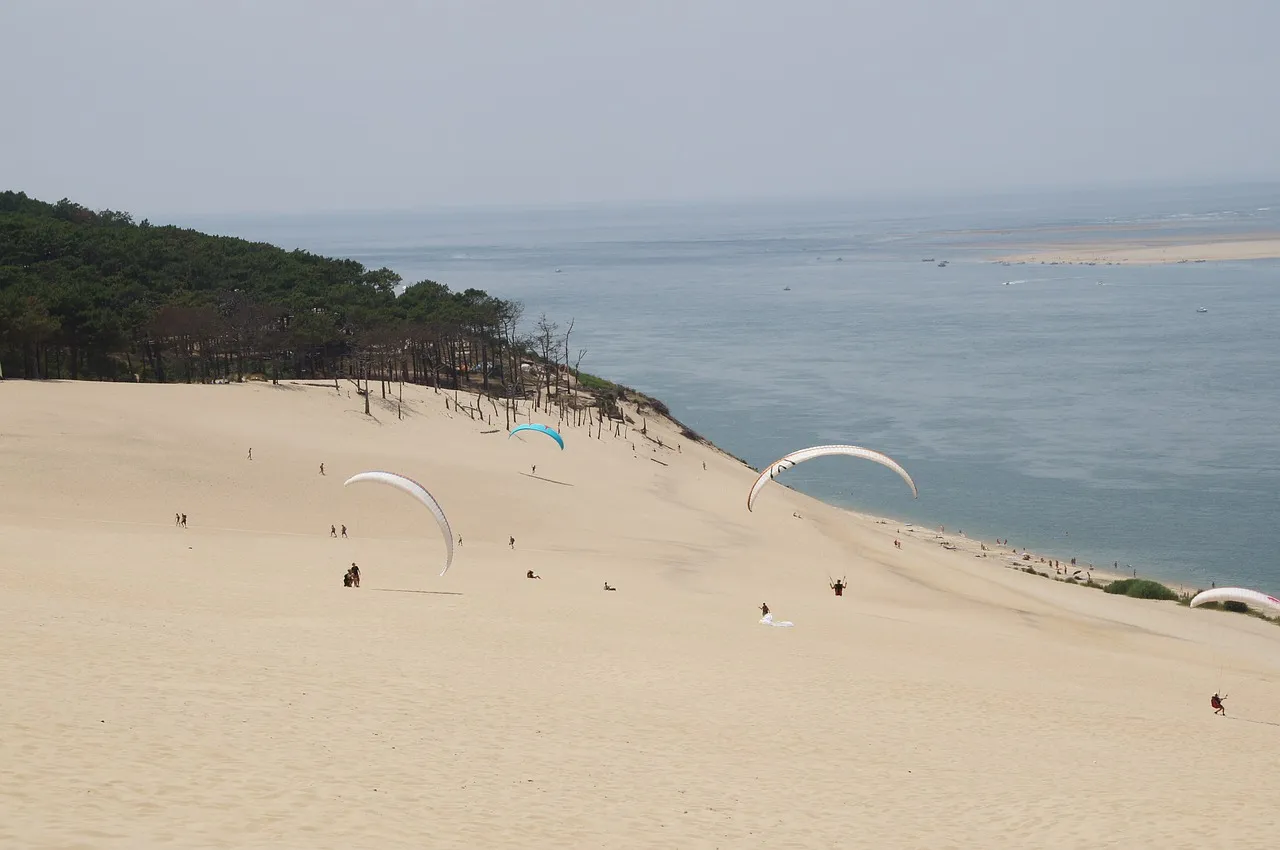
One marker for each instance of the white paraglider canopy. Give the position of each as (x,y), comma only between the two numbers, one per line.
(787,461)
(1255,598)
(417,491)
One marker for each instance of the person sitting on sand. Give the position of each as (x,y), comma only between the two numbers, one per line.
(355,574)
(530,574)
(347,579)
(1218,707)
(764,609)
(607,587)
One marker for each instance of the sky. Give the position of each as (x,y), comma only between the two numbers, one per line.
(171,107)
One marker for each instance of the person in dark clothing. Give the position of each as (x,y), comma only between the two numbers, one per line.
(333,531)
(344,531)
(346,579)
(764,609)
(838,586)
(355,574)
(1218,707)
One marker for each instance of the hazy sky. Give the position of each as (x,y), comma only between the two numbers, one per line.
(167,106)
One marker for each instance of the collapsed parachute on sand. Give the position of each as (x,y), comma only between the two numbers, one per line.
(417,491)
(767,620)
(541,429)
(1237,594)
(788,461)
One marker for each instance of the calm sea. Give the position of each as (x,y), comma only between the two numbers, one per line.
(1083,411)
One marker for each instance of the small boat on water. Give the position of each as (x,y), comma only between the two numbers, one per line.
(1202,309)
(786,289)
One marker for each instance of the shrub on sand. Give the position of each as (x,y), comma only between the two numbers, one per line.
(1141,588)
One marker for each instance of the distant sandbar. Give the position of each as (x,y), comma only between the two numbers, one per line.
(1154,252)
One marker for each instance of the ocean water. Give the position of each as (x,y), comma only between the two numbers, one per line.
(1080,411)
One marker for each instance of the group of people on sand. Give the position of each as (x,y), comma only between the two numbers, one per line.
(333,531)
(352,578)
(180,520)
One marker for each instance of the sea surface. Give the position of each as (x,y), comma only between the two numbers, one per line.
(1080,411)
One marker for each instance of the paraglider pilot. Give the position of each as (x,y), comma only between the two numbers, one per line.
(838,586)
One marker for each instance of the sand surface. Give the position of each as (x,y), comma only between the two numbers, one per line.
(216,686)
(1154,251)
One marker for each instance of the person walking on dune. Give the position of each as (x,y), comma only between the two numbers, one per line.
(513,543)
(250,454)
(322,469)
(333,531)
(344,532)
(184,520)
(1218,707)
(177,519)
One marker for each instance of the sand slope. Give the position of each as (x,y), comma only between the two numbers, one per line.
(216,686)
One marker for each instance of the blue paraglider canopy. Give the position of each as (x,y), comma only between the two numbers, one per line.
(542,429)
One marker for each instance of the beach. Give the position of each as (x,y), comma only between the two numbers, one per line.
(217,686)
(1154,251)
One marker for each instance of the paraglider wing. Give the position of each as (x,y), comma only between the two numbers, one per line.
(417,491)
(541,429)
(787,461)
(1237,594)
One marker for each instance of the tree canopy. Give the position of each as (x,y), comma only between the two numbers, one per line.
(87,294)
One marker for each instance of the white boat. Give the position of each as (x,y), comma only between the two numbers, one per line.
(1202,309)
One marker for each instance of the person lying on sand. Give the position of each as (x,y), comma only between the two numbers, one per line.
(607,587)
(530,574)
(355,574)
(1218,707)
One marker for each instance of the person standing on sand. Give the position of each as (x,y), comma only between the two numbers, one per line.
(344,532)
(251,454)
(355,574)
(1218,707)
(184,520)
(322,469)
(459,540)
(764,609)
(177,519)
(513,543)
(533,469)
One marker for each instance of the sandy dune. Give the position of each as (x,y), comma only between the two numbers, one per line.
(1155,251)
(216,686)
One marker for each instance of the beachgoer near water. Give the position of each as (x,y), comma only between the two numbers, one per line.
(897,544)
(355,574)
(344,531)
(530,574)
(1218,707)
(764,609)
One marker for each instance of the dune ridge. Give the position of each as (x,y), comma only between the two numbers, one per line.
(216,686)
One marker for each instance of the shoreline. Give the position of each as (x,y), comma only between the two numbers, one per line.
(1152,251)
